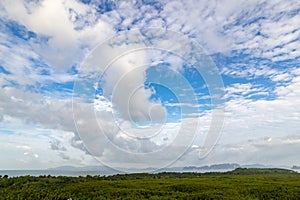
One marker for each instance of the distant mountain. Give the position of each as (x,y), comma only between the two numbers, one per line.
(64,168)
(102,169)
(215,167)
(223,167)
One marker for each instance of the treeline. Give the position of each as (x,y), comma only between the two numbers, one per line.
(238,184)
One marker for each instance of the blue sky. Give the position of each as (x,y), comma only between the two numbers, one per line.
(227,63)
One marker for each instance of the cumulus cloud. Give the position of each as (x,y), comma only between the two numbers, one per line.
(34,109)
(53,19)
(124,80)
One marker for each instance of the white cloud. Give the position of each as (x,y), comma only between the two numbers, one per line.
(28,146)
(47,18)
(281,77)
(248,119)
(260,131)
(276,32)
(52,18)
(245,90)
(267,151)
(222,26)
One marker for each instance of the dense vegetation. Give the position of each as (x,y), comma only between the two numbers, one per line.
(238,184)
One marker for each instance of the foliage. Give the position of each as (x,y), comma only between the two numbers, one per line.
(238,184)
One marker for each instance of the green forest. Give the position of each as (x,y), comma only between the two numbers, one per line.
(238,184)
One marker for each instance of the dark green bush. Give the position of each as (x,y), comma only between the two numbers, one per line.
(239,184)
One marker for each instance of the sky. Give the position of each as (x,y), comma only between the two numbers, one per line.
(149,83)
